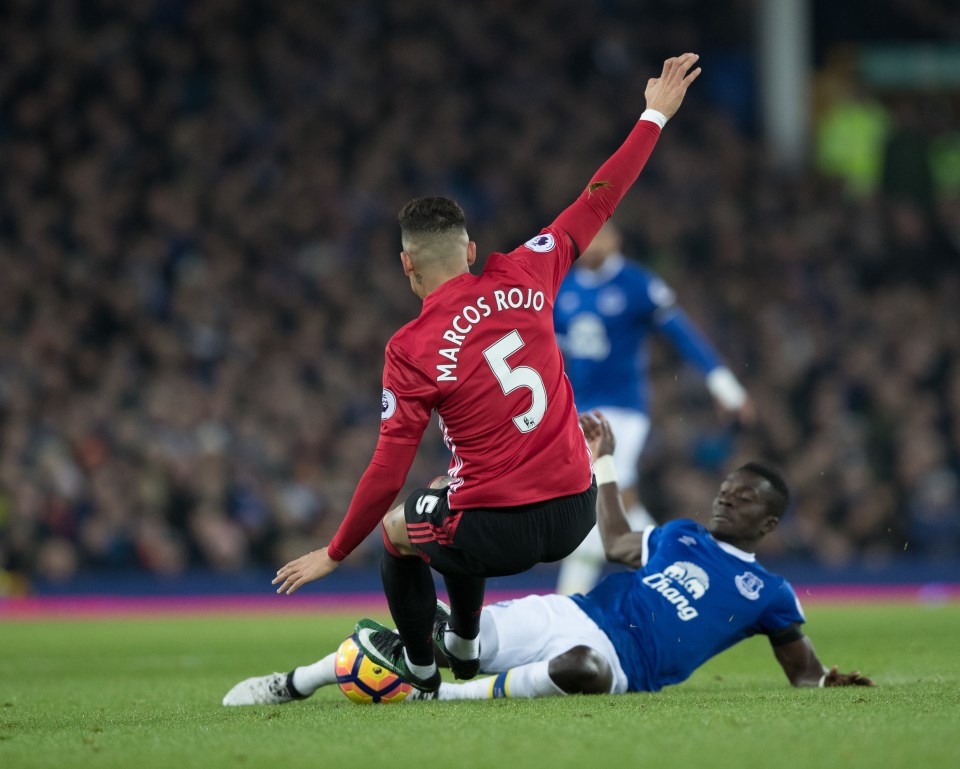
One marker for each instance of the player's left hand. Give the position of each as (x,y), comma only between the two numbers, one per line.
(836,678)
(307,568)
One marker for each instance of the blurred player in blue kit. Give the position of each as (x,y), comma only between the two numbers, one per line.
(605,312)
(691,592)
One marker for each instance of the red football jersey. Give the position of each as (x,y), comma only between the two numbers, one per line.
(483,355)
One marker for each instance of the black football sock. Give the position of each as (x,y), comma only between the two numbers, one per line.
(412,597)
(466,601)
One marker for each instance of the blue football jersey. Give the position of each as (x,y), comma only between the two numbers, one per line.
(603,320)
(693,598)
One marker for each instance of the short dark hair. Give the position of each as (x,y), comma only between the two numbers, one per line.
(431,216)
(769,473)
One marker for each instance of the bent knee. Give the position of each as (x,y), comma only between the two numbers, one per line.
(440,482)
(582,670)
(395,531)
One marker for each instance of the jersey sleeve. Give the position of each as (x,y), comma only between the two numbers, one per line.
(659,302)
(651,294)
(551,253)
(692,345)
(546,257)
(784,610)
(378,488)
(409,397)
(405,409)
(582,220)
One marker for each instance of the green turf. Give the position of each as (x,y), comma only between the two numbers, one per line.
(146,693)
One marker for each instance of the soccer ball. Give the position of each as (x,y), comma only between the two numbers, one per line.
(363,681)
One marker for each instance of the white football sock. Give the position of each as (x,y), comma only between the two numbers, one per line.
(309,678)
(462,648)
(531,680)
(420,671)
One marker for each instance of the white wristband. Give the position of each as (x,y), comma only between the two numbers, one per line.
(723,386)
(654,116)
(604,469)
(823,679)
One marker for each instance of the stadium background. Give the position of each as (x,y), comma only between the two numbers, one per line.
(198,263)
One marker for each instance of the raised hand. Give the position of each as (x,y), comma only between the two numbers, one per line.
(599,434)
(665,93)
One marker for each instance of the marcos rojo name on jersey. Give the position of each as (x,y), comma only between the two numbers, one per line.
(472,314)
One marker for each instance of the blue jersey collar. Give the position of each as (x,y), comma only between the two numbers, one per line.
(608,271)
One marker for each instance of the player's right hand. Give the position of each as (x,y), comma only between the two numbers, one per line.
(307,568)
(665,93)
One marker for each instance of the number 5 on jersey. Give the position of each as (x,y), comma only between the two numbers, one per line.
(511,379)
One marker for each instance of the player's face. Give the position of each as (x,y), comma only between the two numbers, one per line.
(739,512)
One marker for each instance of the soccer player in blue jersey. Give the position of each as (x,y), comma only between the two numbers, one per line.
(693,592)
(605,312)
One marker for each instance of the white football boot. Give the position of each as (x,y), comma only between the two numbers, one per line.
(274,689)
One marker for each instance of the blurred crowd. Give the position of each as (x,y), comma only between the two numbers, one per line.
(199,269)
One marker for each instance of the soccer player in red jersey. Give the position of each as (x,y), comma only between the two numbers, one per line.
(483,355)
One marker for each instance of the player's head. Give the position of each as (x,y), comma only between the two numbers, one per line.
(749,505)
(435,243)
(431,217)
(606,242)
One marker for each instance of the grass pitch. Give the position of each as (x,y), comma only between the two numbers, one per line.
(146,693)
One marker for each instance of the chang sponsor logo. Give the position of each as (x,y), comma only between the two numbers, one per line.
(680,583)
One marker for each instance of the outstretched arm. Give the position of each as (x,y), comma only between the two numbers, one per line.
(664,94)
(695,348)
(378,487)
(803,668)
(401,428)
(620,543)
